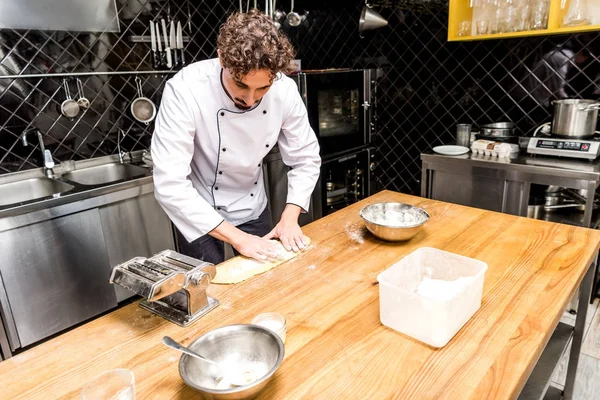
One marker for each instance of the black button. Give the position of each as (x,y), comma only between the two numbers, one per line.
(222,114)
(224,149)
(264,111)
(216,188)
(220,172)
(218,208)
(256,183)
(258,165)
(267,145)
(251,194)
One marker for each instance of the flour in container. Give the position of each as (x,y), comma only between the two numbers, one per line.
(438,289)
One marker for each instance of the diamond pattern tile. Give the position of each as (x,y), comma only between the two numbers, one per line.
(33,102)
(428,85)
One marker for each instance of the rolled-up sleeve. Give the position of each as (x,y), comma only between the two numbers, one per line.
(172,151)
(299,150)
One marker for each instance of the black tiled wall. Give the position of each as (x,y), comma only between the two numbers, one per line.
(34,102)
(429,84)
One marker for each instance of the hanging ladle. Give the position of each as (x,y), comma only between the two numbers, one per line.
(83,102)
(294,18)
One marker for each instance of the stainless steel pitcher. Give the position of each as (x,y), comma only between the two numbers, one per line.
(574,118)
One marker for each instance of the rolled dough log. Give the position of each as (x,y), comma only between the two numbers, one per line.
(240,268)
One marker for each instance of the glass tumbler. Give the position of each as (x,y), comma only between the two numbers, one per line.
(483,27)
(463,135)
(539,14)
(116,384)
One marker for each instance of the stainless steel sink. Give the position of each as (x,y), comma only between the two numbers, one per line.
(31,189)
(105,173)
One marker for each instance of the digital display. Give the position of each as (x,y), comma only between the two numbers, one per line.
(573,146)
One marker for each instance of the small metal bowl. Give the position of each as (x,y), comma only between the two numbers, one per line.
(382,220)
(235,345)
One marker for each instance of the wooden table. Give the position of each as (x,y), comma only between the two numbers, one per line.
(336,346)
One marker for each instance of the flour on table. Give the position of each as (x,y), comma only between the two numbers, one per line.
(437,289)
(356,233)
(312,267)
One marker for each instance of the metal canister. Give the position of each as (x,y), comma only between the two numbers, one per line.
(575,118)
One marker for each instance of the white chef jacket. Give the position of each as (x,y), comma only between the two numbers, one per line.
(207,154)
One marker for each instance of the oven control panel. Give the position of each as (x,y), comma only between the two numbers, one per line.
(586,149)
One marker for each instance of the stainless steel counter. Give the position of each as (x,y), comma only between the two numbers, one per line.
(58,250)
(503,184)
(538,165)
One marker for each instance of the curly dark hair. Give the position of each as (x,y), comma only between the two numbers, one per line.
(250,41)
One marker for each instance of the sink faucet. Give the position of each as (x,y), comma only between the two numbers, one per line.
(47,156)
(120,135)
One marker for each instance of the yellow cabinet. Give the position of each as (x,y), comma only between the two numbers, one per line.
(495,19)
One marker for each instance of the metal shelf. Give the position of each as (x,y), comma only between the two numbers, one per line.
(538,384)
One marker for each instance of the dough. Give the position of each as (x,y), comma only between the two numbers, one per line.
(240,268)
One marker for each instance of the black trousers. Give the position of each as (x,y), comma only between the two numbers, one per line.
(212,250)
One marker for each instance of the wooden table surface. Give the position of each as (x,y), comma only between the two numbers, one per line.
(336,346)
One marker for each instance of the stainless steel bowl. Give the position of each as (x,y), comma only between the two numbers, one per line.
(237,346)
(499,129)
(394,222)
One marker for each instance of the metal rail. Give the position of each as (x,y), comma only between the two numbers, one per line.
(99,73)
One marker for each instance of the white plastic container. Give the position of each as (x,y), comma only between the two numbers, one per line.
(431,321)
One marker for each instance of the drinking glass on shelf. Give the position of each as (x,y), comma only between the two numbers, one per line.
(464,28)
(500,21)
(483,27)
(539,14)
(463,135)
(116,384)
(511,19)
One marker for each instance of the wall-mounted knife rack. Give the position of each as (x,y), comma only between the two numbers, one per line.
(146,39)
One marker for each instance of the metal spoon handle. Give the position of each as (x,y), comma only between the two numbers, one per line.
(174,345)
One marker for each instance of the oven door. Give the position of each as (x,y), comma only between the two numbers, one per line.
(344,180)
(337,109)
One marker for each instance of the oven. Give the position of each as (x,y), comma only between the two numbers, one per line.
(338,103)
(344,180)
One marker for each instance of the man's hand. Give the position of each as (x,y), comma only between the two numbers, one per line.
(248,245)
(256,247)
(288,231)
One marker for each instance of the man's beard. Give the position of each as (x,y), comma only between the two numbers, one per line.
(241,106)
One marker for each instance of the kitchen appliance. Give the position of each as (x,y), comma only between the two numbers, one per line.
(173,284)
(588,149)
(575,118)
(339,107)
(344,180)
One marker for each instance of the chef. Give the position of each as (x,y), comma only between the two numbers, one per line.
(217,120)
